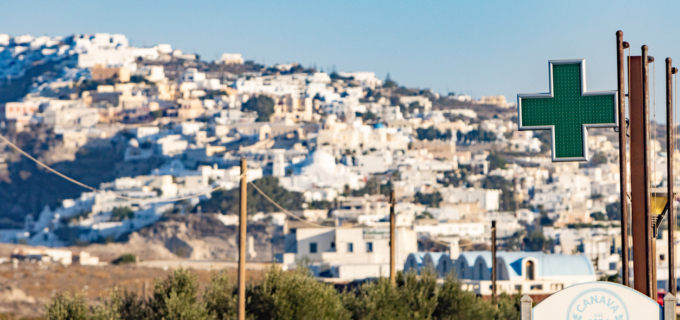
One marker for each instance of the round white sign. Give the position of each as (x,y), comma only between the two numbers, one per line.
(597,304)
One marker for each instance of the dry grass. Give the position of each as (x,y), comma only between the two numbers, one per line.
(92,282)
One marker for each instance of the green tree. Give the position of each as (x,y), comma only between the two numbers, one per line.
(389,83)
(428,199)
(122,213)
(536,241)
(598,158)
(477,135)
(614,211)
(454,303)
(368,117)
(177,298)
(263,105)
(455,178)
(220,298)
(496,161)
(129,306)
(109,309)
(227,201)
(294,295)
(598,216)
(125,259)
(544,220)
(420,295)
(431,133)
(378,300)
(67,307)
(514,242)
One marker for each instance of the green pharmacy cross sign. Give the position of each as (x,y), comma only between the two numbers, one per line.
(568,110)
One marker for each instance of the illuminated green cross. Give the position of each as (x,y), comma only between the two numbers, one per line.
(568,110)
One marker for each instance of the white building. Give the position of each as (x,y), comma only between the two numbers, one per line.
(358,252)
(526,272)
(365,79)
(21,111)
(231,58)
(171,145)
(424,102)
(460,228)
(319,171)
(142,132)
(489,199)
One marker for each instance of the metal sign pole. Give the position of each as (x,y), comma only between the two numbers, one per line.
(670,160)
(649,234)
(623,156)
(494,271)
(639,163)
(393,275)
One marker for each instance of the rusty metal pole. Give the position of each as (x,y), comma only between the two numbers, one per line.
(670,150)
(393,274)
(638,164)
(242,242)
(649,249)
(494,271)
(623,157)
(638,99)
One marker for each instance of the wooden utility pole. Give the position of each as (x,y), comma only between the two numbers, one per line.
(670,161)
(393,275)
(638,98)
(623,156)
(242,242)
(494,269)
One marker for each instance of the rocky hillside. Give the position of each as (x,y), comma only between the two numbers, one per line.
(192,237)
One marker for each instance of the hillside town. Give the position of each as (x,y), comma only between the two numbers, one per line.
(169,129)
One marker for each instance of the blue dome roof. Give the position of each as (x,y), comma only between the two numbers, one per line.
(379,126)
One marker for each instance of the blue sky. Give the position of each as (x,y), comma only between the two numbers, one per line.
(473,47)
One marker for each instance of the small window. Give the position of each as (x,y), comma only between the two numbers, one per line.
(662,257)
(518,287)
(536,287)
(332,244)
(350,247)
(530,271)
(369,246)
(312,247)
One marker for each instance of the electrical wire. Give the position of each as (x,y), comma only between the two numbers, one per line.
(288,213)
(67,178)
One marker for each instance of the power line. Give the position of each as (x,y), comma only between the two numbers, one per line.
(98,190)
(15,147)
(286,211)
(329,227)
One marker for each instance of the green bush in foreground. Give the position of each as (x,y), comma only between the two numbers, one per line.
(125,259)
(291,295)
